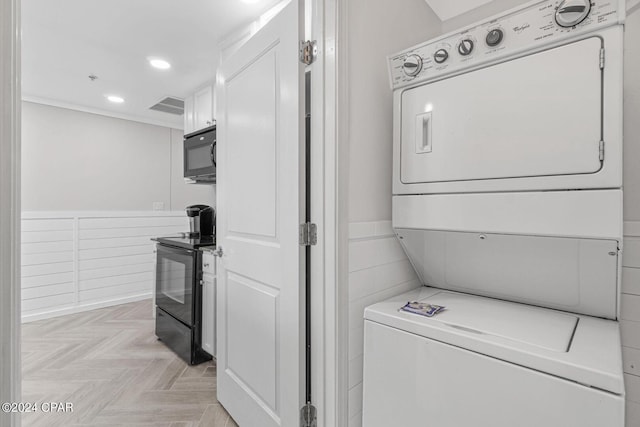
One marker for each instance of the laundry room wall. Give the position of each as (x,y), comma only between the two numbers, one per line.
(486,10)
(630,304)
(378,268)
(630,301)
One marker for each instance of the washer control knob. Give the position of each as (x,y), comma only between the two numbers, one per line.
(440,56)
(494,37)
(572,12)
(412,65)
(465,47)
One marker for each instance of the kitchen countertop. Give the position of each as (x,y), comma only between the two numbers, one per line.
(188,242)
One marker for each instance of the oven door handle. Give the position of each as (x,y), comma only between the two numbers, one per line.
(213,152)
(167,249)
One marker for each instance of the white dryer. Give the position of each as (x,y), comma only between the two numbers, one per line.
(538,107)
(507,199)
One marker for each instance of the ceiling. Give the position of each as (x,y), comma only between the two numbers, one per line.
(65,41)
(447,9)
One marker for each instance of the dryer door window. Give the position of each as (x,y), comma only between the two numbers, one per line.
(539,115)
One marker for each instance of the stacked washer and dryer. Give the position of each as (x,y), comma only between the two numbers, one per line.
(507,199)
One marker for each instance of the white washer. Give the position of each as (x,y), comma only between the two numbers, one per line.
(489,363)
(507,187)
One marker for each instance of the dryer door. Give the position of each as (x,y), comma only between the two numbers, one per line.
(539,115)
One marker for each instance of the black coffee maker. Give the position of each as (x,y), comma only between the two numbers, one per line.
(202,221)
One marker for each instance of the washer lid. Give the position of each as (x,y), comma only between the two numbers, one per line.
(550,330)
(583,349)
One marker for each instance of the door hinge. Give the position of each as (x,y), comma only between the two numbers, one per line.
(308,234)
(601,58)
(601,151)
(308,52)
(308,416)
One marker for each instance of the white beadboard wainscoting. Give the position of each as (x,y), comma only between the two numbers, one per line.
(73,262)
(378,269)
(630,314)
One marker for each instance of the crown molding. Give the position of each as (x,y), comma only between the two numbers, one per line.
(97,111)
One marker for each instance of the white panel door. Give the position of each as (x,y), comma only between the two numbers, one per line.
(540,115)
(260,274)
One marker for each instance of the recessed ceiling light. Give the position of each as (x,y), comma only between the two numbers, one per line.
(115,99)
(160,64)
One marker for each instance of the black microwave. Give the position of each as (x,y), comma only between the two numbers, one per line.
(200,155)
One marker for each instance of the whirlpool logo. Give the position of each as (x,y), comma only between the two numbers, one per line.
(521,28)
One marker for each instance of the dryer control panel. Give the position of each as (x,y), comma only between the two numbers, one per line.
(535,25)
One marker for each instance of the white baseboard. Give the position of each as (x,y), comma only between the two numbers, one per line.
(84,307)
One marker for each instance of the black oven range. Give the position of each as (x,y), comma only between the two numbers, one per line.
(179,294)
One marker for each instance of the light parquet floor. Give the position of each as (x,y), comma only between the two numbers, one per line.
(110,366)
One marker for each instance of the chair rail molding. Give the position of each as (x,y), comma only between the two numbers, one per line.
(79,261)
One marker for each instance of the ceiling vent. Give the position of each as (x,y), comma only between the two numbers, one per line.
(170,105)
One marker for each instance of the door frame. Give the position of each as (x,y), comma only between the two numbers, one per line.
(329,202)
(329,184)
(10,124)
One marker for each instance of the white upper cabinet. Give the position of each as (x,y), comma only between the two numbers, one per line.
(198,110)
(203,114)
(188,114)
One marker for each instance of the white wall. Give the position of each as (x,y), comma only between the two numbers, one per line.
(76,161)
(378,268)
(376,29)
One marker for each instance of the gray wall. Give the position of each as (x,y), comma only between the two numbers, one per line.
(76,161)
(377,28)
(475,15)
(631,123)
(630,302)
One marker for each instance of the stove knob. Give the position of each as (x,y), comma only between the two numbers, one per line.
(572,12)
(412,65)
(465,47)
(494,37)
(440,56)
